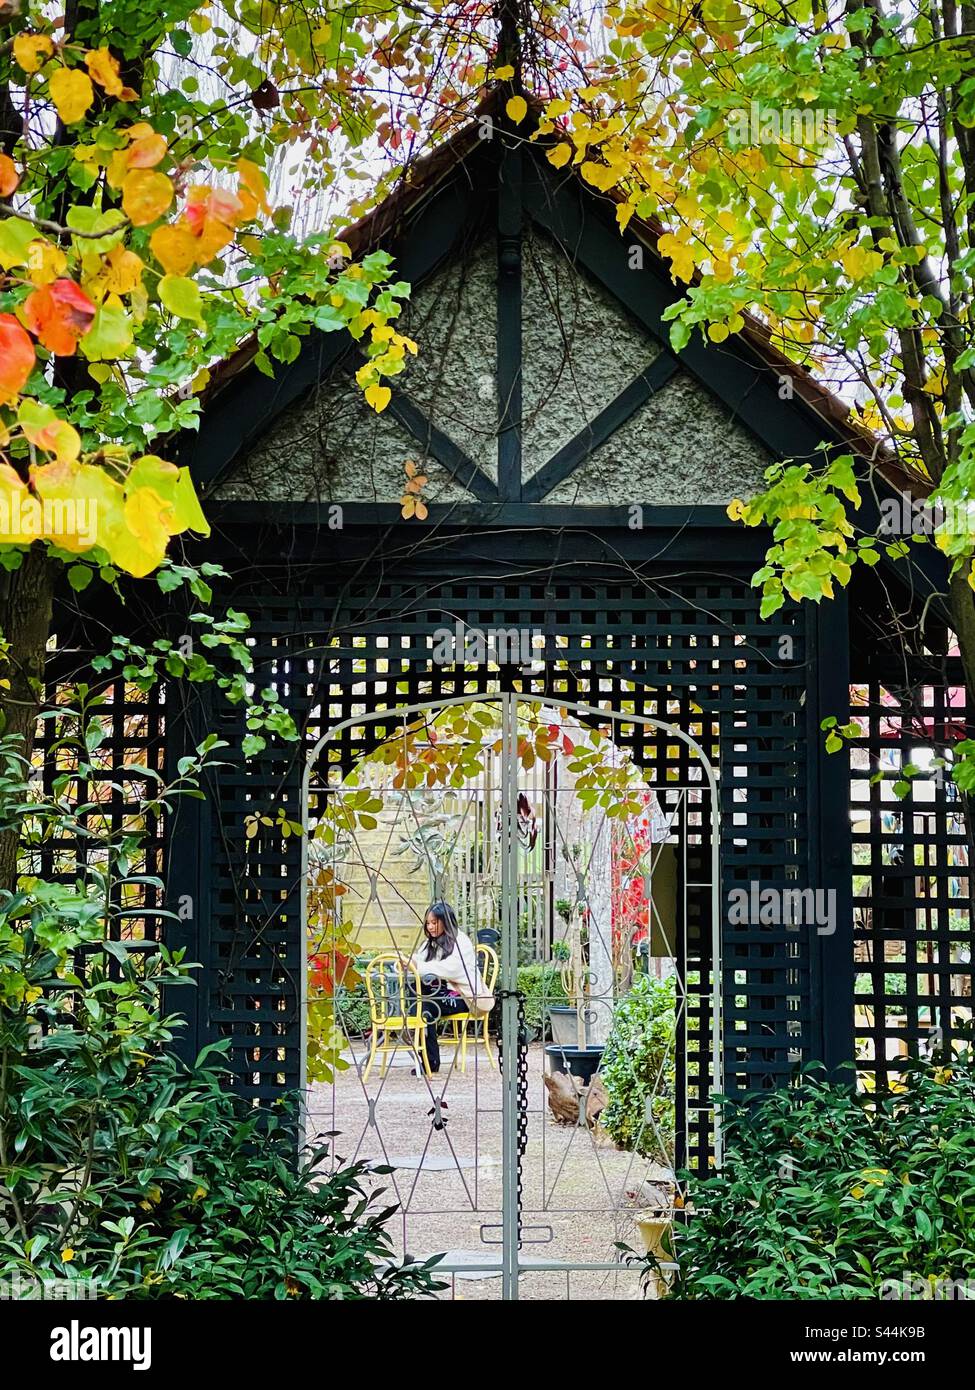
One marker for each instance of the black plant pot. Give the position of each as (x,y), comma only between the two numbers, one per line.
(582,1062)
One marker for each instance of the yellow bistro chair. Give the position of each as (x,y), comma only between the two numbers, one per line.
(487,964)
(395,1010)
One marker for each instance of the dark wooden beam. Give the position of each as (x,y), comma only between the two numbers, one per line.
(245,408)
(509,297)
(829,832)
(559,467)
(434,442)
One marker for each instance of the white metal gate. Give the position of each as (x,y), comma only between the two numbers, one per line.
(544,832)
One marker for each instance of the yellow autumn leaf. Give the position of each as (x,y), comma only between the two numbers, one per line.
(378,397)
(504,73)
(118,273)
(736,509)
(146,195)
(516,109)
(560,156)
(253,181)
(717,332)
(174,247)
(680,254)
(859,262)
(45,262)
(599,175)
(104,69)
(72,93)
(31,50)
(139,546)
(67,1254)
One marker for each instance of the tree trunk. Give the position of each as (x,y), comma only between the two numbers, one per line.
(961,604)
(26,598)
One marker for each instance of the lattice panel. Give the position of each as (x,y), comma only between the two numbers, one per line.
(913,934)
(133,727)
(696,654)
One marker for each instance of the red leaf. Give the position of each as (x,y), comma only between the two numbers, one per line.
(58,315)
(16,357)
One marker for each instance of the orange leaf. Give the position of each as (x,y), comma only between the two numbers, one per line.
(147,151)
(16,358)
(58,315)
(145,196)
(9,178)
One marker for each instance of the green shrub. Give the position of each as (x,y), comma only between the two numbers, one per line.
(541,985)
(118,1163)
(826,1193)
(638,1064)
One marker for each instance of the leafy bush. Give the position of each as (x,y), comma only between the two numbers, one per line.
(638,1063)
(541,985)
(826,1193)
(117,1162)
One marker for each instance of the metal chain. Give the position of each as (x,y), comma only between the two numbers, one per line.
(521,1064)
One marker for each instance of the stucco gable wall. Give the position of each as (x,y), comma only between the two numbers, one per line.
(581,349)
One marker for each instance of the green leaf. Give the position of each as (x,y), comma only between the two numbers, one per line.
(181,296)
(110,335)
(80,576)
(82,218)
(15,237)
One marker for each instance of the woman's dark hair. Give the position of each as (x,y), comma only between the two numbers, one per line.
(440,946)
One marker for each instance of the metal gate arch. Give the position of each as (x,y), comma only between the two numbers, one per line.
(508,703)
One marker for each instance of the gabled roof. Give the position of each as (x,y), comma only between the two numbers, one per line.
(386,223)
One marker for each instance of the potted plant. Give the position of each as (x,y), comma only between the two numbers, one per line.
(656,1227)
(576,1055)
(562,1022)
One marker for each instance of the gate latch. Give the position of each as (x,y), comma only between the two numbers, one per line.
(523,1239)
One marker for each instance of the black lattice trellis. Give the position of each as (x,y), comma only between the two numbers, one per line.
(913,936)
(690,650)
(695,655)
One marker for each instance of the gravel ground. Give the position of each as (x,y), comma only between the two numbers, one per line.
(580,1192)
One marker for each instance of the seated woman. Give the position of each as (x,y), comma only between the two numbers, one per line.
(450,981)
